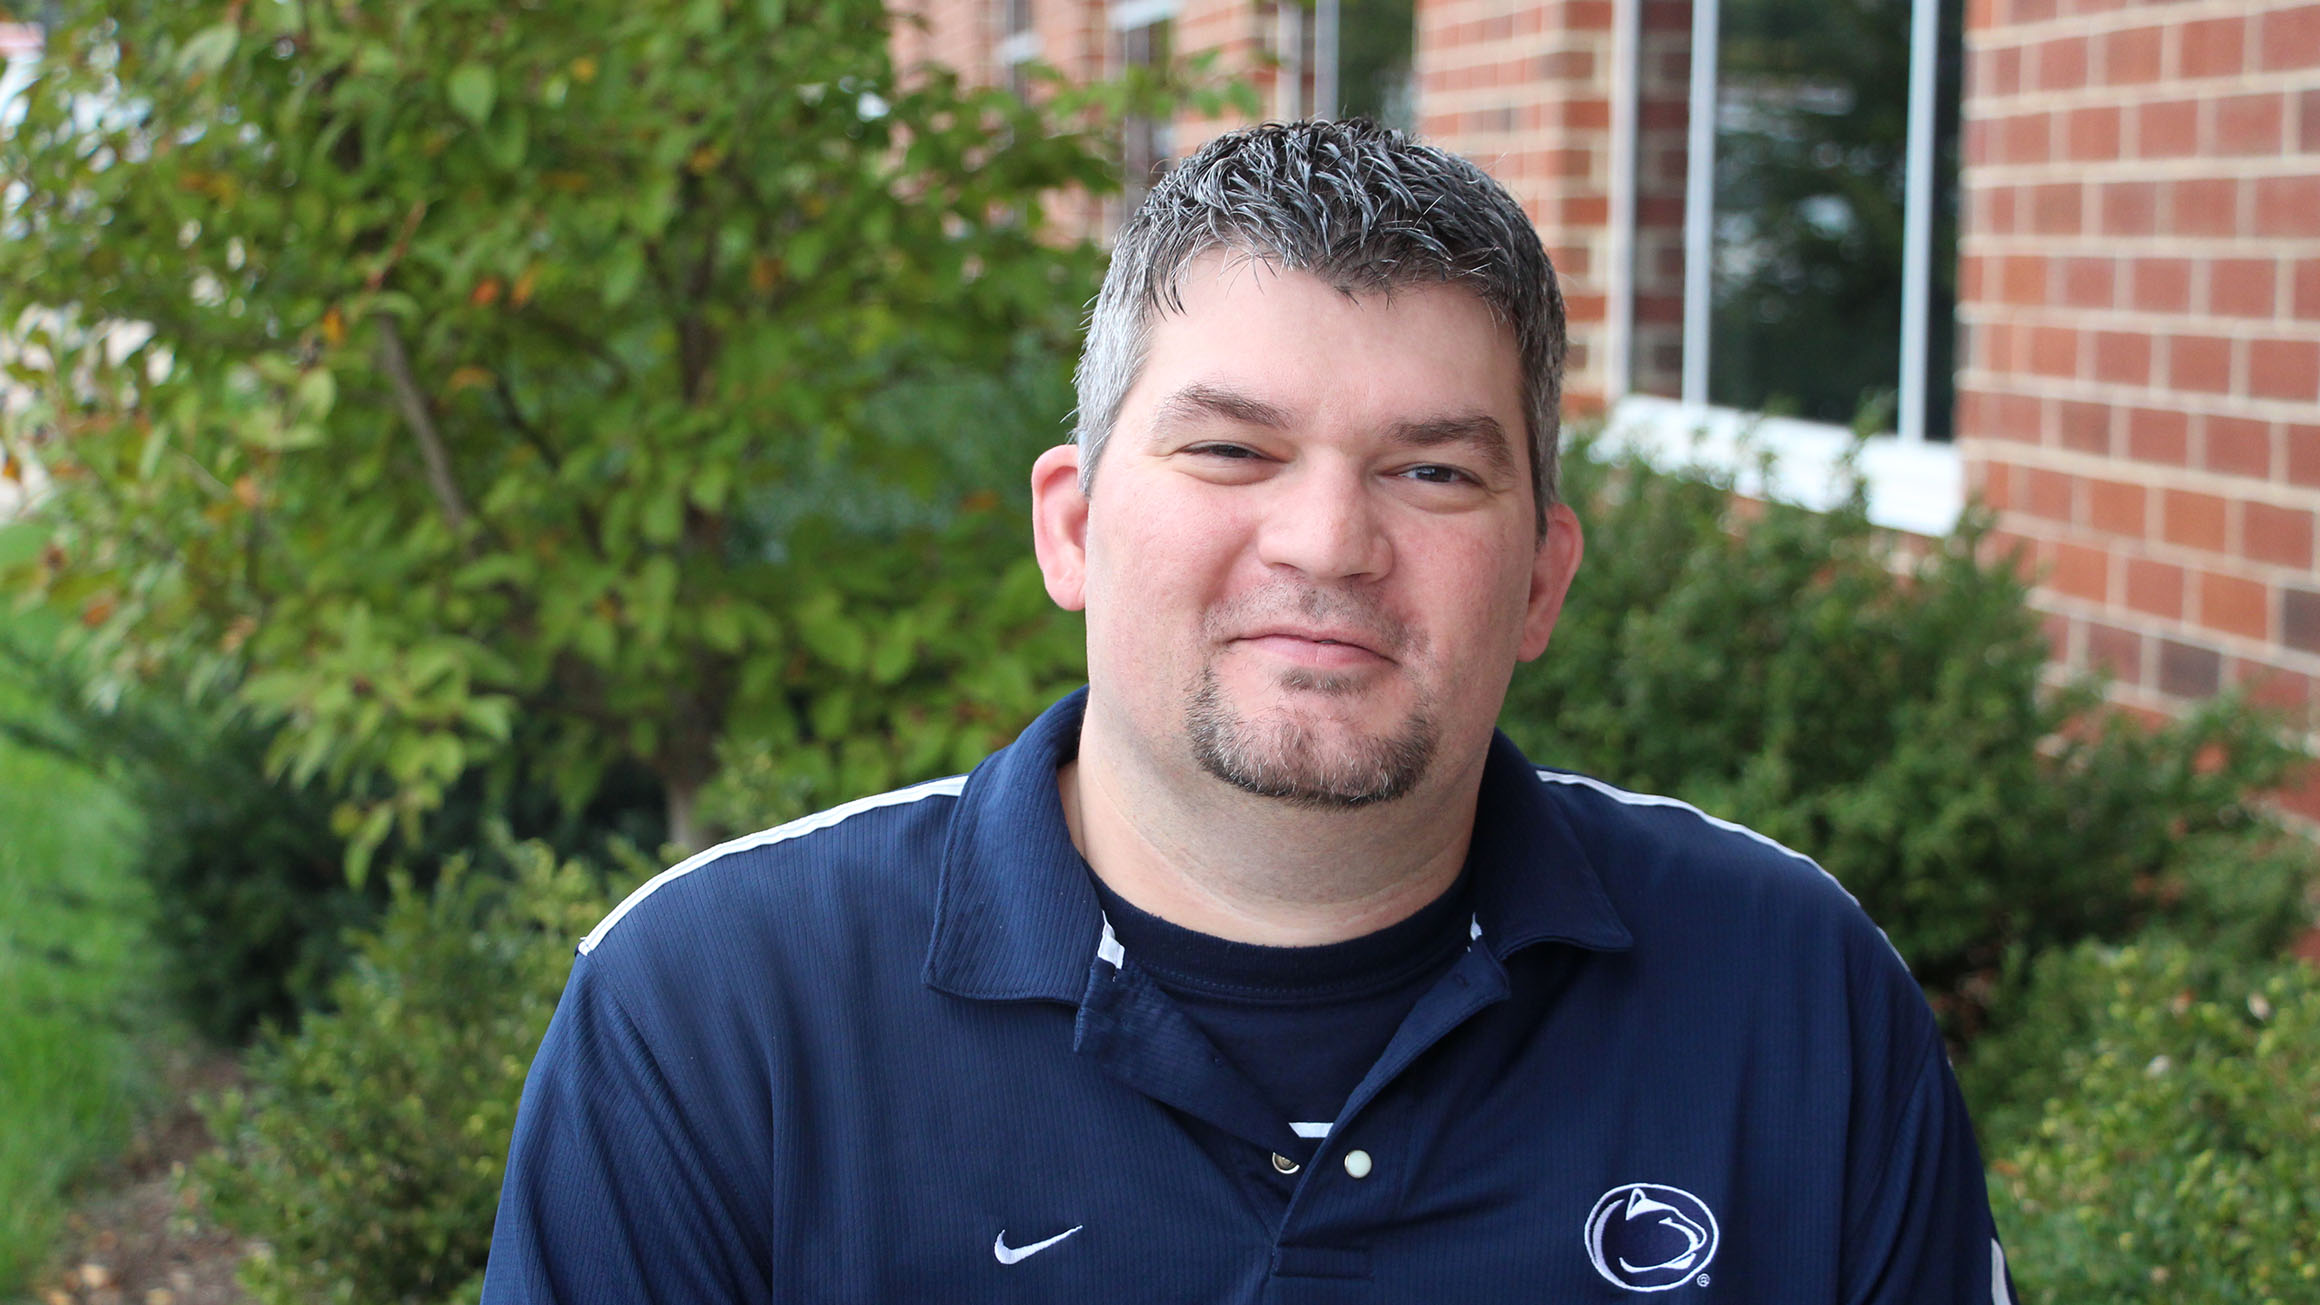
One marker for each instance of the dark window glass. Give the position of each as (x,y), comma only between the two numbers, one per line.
(1812,128)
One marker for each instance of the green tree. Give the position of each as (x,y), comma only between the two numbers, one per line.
(432,374)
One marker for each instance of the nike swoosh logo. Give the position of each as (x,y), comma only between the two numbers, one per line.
(1016,1254)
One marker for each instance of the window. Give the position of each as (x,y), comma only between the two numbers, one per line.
(1819,248)
(1144,31)
(1018,44)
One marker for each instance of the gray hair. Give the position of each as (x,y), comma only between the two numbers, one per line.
(1360,206)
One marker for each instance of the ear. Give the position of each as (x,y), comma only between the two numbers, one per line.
(1551,570)
(1059,518)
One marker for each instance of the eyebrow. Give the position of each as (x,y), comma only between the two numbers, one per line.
(1477,430)
(1197,401)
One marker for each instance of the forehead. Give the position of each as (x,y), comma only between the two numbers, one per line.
(1414,351)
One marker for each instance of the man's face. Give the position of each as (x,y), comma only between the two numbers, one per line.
(1310,562)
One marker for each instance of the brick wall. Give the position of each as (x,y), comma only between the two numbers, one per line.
(1524,89)
(2140,303)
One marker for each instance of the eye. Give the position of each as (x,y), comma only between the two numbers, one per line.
(1435,473)
(1230,452)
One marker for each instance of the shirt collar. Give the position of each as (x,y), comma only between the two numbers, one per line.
(1016,918)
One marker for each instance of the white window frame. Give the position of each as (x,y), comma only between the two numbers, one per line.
(1913,484)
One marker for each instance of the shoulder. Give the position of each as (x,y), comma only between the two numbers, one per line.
(1686,878)
(875,853)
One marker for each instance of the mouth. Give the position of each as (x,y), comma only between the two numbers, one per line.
(1321,649)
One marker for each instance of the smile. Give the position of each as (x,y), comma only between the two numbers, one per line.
(1316,652)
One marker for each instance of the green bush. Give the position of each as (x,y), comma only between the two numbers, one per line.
(2178,1157)
(1885,708)
(250,901)
(366,1150)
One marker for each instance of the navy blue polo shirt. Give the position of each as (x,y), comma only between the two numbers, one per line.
(893,1052)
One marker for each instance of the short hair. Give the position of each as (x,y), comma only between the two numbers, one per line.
(1361,206)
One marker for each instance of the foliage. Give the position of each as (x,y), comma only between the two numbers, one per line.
(2179,1154)
(74,966)
(474,366)
(367,1149)
(1883,708)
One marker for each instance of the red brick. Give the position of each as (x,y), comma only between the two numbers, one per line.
(2251,124)
(2122,356)
(2043,493)
(2114,651)
(2090,282)
(2303,445)
(2022,138)
(2159,435)
(2117,507)
(2084,427)
(2300,619)
(2210,48)
(2057,210)
(2053,351)
(2057,630)
(1999,205)
(2091,135)
(2131,55)
(2234,605)
(2016,416)
(2155,588)
(2281,536)
(1995,484)
(2284,369)
(2280,690)
(2167,129)
(2192,519)
(2189,671)
(2308,110)
(2237,446)
(2005,71)
(2081,572)
(2289,37)
(1993,346)
(2305,299)
(2022,281)
(2241,287)
(2204,206)
(2288,206)
(2199,362)
(2161,285)
(2062,64)
(2033,11)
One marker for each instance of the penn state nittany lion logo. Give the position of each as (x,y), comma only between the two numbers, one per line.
(1646,1237)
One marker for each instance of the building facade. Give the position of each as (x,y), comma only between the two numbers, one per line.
(2062,255)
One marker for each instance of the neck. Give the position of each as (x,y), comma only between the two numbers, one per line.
(1199,853)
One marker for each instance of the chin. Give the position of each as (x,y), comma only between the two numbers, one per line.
(1283,751)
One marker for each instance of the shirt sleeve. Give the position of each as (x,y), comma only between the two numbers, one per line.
(1918,1231)
(612,1192)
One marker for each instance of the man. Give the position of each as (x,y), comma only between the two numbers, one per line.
(1262,969)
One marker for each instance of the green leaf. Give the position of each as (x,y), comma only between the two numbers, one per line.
(472,88)
(207,50)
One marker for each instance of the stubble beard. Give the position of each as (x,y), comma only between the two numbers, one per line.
(1279,754)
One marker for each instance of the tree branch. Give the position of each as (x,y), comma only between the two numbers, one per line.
(397,363)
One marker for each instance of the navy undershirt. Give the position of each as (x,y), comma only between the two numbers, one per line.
(1303,1024)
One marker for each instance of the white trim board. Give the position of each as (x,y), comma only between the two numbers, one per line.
(1915,487)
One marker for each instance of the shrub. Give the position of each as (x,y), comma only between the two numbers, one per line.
(1884,708)
(2178,1158)
(250,901)
(366,1151)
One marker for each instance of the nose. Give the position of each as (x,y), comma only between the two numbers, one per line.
(1326,524)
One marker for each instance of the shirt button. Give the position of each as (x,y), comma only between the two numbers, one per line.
(1357,1164)
(1284,1165)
